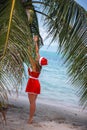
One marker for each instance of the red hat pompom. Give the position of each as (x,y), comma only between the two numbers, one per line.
(43,61)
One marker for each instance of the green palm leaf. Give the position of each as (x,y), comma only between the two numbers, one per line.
(70,26)
(15,37)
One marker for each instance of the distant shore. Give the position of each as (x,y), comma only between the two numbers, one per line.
(47,117)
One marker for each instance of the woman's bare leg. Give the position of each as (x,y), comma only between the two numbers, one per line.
(32,100)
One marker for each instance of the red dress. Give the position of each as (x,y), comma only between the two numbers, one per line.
(33,84)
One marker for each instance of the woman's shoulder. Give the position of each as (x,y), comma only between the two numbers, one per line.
(30,70)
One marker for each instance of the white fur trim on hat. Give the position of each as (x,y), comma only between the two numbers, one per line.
(40,60)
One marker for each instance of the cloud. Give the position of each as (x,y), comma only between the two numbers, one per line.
(47,39)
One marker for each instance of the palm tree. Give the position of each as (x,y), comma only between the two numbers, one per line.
(65,22)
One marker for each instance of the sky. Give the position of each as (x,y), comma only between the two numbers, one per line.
(83,3)
(54,46)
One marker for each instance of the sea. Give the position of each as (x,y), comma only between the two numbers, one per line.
(56,87)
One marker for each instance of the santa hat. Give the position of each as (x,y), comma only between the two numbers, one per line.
(43,61)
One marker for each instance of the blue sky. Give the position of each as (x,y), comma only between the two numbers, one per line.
(54,46)
(83,3)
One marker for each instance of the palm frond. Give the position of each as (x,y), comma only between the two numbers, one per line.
(15,37)
(70,27)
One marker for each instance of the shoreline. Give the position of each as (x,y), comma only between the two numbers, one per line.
(52,102)
(47,116)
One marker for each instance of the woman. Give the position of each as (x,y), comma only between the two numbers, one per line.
(33,85)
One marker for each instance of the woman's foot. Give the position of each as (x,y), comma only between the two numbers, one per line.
(30,121)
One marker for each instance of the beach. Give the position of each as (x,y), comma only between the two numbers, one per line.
(47,116)
(57,105)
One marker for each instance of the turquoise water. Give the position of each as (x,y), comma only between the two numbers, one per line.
(55,84)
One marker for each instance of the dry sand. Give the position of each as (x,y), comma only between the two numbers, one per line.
(47,117)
